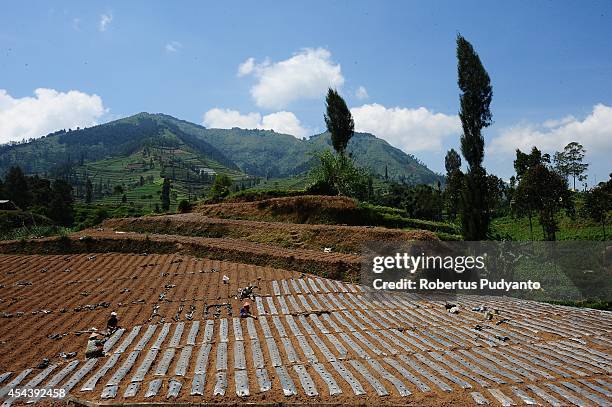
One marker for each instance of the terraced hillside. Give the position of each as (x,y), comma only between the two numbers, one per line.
(315,341)
(344,239)
(141,178)
(336,265)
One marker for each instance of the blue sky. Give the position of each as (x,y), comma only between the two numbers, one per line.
(394,61)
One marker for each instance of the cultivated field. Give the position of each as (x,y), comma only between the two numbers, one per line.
(298,209)
(344,239)
(316,340)
(336,265)
(320,338)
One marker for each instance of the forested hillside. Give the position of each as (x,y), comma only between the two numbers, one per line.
(127,160)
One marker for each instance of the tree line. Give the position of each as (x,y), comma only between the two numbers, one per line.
(471,197)
(52,199)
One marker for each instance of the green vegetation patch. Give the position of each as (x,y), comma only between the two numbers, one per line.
(569,229)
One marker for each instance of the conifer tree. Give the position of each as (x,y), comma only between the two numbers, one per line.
(339,121)
(475,99)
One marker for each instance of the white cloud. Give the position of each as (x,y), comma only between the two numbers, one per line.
(552,123)
(361,93)
(246,67)
(306,75)
(48,111)
(226,119)
(105,20)
(284,122)
(594,133)
(281,122)
(408,129)
(173,46)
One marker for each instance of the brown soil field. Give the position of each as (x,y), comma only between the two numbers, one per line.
(344,239)
(333,265)
(298,209)
(131,283)
(311,334)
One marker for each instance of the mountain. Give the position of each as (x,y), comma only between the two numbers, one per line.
(267,153)
(117,138)
(190,147)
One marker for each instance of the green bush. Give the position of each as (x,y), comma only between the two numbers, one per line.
(89,215)
(24,233)
(337,174)
(221,187)
(10,220)
(384,210)
(396,219)
(184,206)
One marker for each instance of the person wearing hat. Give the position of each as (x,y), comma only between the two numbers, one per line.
(113,323)
(245,311)
(95,346)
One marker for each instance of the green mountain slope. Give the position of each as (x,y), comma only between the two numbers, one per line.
(266,153)
(114,139)
(376,154)
(125,161)
(260,153)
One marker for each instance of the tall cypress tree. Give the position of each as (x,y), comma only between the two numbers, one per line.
(475,98)
(88,191)
(60,207)
(165,195)
(16,188)
(339,121)
(454,177)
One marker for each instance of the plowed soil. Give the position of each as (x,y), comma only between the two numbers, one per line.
(345,239)
(333,265)
(312,209)
(64,295)
(130,283)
